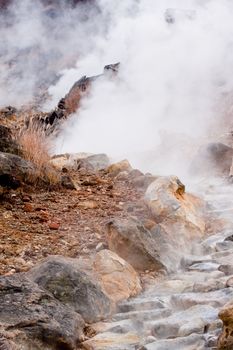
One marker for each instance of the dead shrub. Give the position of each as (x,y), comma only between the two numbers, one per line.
(35,147)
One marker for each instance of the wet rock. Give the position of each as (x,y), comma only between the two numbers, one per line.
(14,170)
(35,318)
(213,159)
(118,279)
(135,244)
(112,341)
(66,279)
(192,342)
(7,144)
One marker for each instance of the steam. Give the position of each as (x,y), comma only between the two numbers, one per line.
(164,101)
(37,42)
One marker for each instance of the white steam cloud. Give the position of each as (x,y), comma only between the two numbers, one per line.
(163,101)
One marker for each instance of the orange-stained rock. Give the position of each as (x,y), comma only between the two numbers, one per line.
(118,278)
(225,341)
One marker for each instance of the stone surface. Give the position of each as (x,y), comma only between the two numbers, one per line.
(118,278)
(14,170)
(75,161)
(34,319)
(134,243)
(116,168)
(7,144)
(225,341)
(66,279)
(169,203)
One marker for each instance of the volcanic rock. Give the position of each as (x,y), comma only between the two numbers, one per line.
(118,278)
(7,144)
(34,318)
(14,170)
(134,243)
(72,286)
(170,205)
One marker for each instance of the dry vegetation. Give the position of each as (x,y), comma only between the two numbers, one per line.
(36,147)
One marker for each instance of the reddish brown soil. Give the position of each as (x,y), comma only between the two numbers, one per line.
(38,223)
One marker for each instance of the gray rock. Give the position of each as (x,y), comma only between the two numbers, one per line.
(67,281)
(134,243)
(39,319)
(7,144)
(14,170)
(94,163)
(192,342)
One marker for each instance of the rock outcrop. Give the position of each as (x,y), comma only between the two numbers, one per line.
(14,170)
(134,243)
(34,319)
(7,144)
(67,281)
(118,278)
(178,219)
(71,102)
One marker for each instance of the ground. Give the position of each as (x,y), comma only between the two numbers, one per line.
(38,223)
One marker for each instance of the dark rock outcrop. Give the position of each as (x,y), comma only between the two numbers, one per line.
(72,286)
(34,318)
(70,103)
(14,170)
(7,144)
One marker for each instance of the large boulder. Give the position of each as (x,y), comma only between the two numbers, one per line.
(134,243)
(14,170)
(31,318)
(225,341)
(118,278)
(178,212)
(72,285)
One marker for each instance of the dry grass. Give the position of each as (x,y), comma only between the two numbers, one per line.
(36,147)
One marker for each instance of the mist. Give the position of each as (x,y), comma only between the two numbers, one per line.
(168,96)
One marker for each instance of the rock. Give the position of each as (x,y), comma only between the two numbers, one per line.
(34,318)
(225,341)
(67,182)
(229,282)
(178,212)
(118,279)
(14,170)
(192,342)
(143,181)
(227,269)
(66,279)
(112,341)
(116,168)
(213,159)
(7,144)
(166,197)
(76,161)
(54,225)
(135,244)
